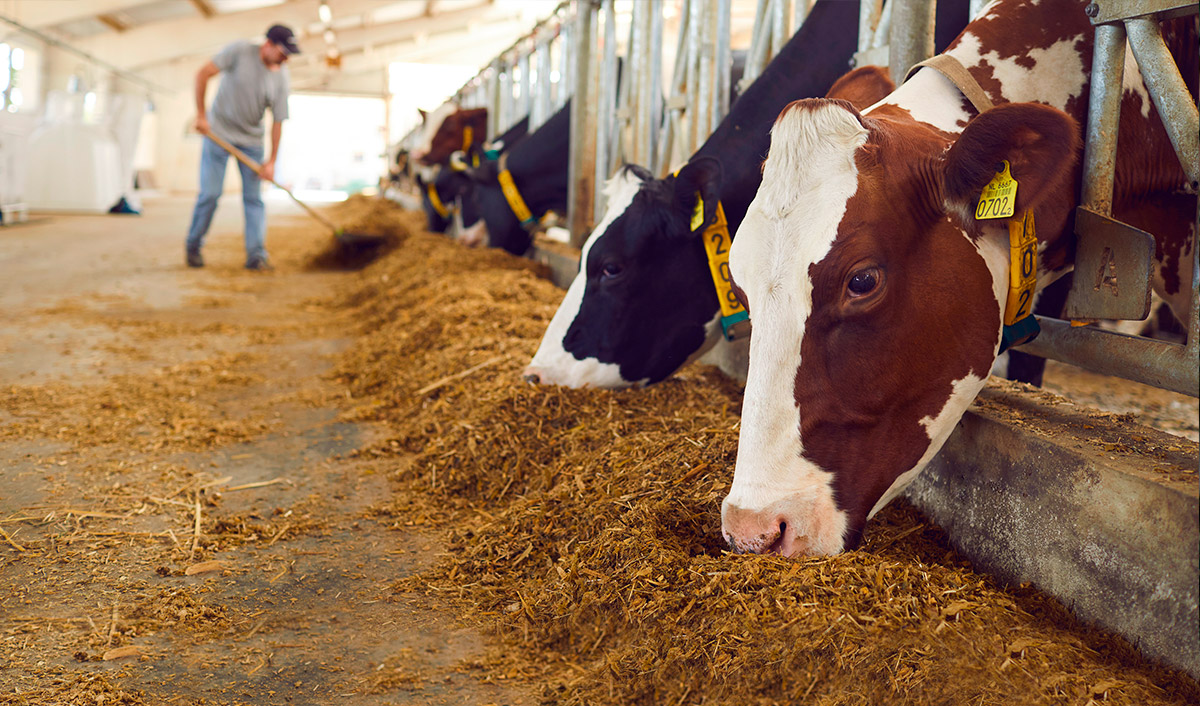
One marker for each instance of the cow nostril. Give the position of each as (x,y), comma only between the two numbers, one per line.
(532,378)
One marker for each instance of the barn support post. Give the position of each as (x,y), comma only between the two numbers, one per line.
(583,125)
(910,35)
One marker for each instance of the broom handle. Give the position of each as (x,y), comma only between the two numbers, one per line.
(241,157)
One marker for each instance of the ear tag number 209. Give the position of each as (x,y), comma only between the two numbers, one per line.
(999,197)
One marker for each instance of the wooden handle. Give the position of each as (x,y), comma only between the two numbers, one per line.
(244,159)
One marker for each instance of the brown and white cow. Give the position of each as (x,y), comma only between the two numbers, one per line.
(877,299)
(447,130)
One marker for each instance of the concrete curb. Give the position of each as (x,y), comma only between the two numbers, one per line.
(1097,511)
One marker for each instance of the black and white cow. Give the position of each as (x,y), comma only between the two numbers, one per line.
(644,303)
(538,165)
(451,185)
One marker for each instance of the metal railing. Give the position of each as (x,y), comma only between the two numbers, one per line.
(629,121)
(1112,266)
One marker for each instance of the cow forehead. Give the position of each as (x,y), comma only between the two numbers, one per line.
(808,178)
(619,192)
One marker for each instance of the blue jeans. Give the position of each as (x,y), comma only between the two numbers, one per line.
(212,178)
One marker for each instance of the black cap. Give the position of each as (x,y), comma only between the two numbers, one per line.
(283,37)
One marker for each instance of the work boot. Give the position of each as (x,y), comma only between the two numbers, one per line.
(259,264)
(194,259)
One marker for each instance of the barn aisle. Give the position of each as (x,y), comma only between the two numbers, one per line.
(183,515)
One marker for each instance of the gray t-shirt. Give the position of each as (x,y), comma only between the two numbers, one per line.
(247,89)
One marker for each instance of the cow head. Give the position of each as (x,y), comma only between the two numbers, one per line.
(441,140)
(876,303)
(643,303)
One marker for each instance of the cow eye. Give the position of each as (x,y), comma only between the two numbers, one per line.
(610,270)
(863,282)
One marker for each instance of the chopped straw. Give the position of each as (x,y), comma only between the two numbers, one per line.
(583,527)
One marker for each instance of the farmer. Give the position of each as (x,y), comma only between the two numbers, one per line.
(256,78)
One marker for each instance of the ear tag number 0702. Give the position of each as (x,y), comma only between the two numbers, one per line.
(999,197)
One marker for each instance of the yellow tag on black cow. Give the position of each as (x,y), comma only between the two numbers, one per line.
(716,244)
(698,214)
(999,197)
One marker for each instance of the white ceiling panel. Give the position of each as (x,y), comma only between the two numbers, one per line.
(161,10)
(227,6)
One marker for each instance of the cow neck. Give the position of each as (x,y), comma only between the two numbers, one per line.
(815,57)
(538,164)
(962,79)
(513,195)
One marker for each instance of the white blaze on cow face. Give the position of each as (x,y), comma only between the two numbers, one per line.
(553,364)
(779,500)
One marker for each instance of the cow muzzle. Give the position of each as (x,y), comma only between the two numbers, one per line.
(803,524)
(475,235)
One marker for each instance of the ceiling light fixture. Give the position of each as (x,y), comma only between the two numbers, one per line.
(324,13)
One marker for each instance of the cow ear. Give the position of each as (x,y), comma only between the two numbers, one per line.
(698,179)
(1040,143)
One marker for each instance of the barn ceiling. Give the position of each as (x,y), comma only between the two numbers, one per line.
(143,37)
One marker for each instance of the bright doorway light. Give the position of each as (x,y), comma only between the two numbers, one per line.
(332,146)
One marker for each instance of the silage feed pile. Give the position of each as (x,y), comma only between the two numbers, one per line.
(375,217)
(584,528)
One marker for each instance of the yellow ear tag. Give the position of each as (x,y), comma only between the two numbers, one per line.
(999,197)
(698,214)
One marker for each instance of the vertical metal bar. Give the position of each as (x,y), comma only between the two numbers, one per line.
(583,127)
(493,91)
(692,113)
(910,37)
(1169,92)
(778,29)
(708,69)
(524,104)
(1104,113)
(607,130)
(675,95)
(653,106)
(756,56)
(882,27)
(868,11)
(799,14)
(724,58)
(566,61)
(545,87)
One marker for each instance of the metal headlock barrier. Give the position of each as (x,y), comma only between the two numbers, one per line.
(1112,262)
(619,115)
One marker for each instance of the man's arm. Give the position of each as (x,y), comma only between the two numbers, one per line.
(202,76)
(268,167)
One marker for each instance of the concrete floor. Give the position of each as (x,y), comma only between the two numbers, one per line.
(99,307)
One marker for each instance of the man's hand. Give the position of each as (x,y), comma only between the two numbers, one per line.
(202,125)
(267,171)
